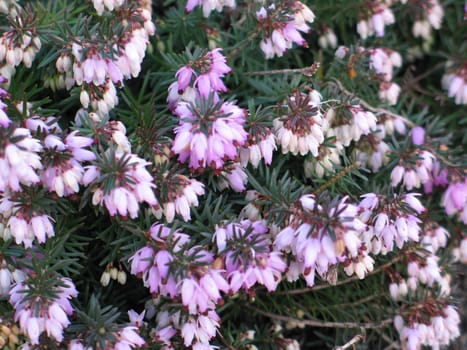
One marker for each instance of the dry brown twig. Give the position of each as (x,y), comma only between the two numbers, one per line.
(351,343)
(323,324)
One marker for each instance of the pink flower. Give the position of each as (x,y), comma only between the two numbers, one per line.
(42,314)
(301,129)
(182,193)
(418,135)
(132,185)
(208,69)
(64,171)
(4,119)
(198,330)
(184,75)
(248,258)
(235,176)
(209,144)
(209,6)
(454,200)
(397,225)
(389,92)
(282,27)
(455,82)
(311,246)
(19,158)
(256,151)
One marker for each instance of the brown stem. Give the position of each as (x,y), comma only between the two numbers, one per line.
(308,71)
(225,342)
(322,324)
(357,339)
(240,47)
(430,71)
(334,179)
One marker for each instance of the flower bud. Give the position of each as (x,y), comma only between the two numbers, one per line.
(121,277)
(105,279)
(84,98)
(113,273)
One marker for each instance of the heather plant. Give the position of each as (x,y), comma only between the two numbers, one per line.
(221,174)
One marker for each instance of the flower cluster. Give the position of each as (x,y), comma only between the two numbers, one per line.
(19,158)
(209,5)
(282,26)
(261,141)
(37,314)
(454,199)
(389,222)
(328,39)
(341,126)
(19,152)
(62,160)
(308,238)
(196,330)
(120,181)
(377,16)
(182,193)
(416,166)
(125,338)
(430,16)
(18,46)
(110,5)
(382,62)
(248,259)
(413,175)
(300,129)
(435,325)
(455,82)
(233,176)
(8,276)
(23,223)
(435,237)
(98,69)
(209,133)
(199,285)
(169,269)
(372,151)
(260,146)
(210,130)
(207,72)
(328,157)
(350,123)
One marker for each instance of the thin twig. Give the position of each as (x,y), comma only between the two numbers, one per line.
(334,179)
(365,104)
(392,344)
(308,71)
(225,342)
(240,47)
(422,76)
(358,302)
(357,339)
(323,324)
(347,280)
